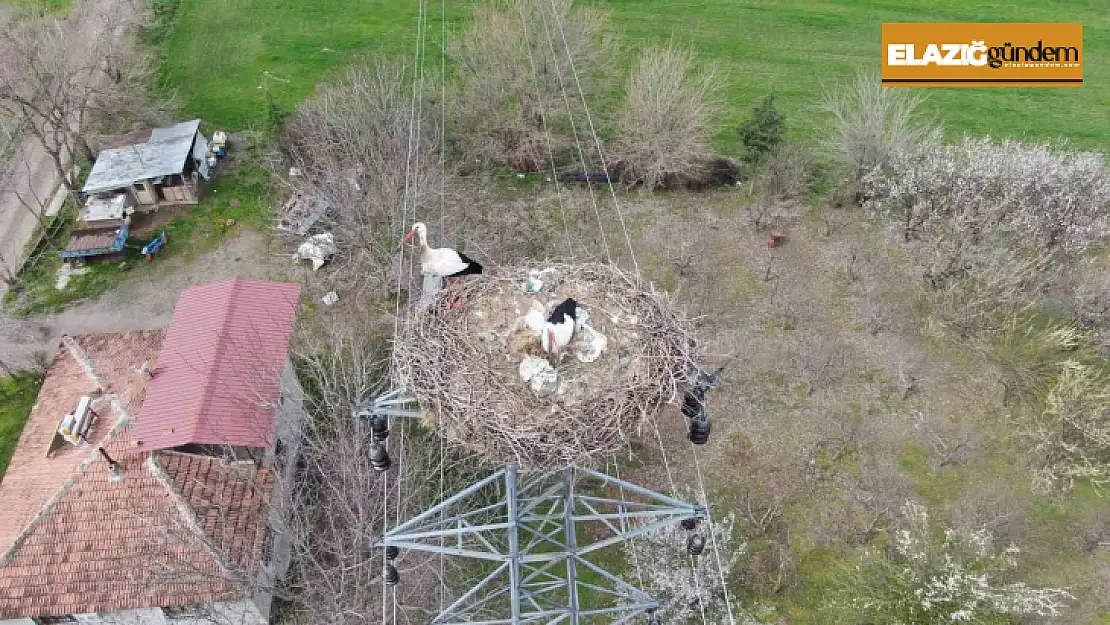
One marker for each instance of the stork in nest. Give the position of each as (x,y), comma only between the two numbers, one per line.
(557,330)
(442,262)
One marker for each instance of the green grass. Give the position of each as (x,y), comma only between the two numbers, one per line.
(49,5)
(795,48)
(230,59)
(17,396)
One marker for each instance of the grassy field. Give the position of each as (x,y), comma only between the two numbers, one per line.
(231,59)
(53,5)
(17,395)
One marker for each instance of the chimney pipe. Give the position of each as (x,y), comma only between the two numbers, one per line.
(115,469)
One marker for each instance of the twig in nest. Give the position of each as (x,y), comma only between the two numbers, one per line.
(453,367)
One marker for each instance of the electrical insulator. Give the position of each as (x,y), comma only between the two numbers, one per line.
(695,545)
(699,430)
(391,575)
(693,403)
(391,552)
(379,427)
(689,524)
(379,457)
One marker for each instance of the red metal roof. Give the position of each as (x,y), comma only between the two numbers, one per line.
(219,372)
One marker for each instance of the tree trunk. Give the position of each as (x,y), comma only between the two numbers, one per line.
(86,151)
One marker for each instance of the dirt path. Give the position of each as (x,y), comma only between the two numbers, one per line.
(141,304)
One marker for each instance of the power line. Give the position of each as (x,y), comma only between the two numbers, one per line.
(410,193)
(574,130)
(526,33)
(713,538)
(597,141)
(442,210)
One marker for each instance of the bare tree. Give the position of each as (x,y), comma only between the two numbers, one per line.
(338,505)
(667,122)
(690,588)
(355,146)
(872,122)
(516,81)
(63,76)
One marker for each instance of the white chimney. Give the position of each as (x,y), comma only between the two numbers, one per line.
(144,369)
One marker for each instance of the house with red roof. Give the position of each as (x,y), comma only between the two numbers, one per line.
(141,489)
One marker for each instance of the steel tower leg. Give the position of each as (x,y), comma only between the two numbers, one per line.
(531,531)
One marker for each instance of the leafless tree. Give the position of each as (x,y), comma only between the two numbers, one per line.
(872,122)
(516,80)
(64,76)
(667,123)
(690,588)
(338,505)
(359,146)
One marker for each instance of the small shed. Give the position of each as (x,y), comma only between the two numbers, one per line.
(106,210)
(151,169)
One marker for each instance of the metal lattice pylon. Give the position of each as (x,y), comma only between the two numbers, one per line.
(530,529)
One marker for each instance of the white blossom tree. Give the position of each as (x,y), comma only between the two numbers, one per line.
(689,587)
(1044,196)
(925,578)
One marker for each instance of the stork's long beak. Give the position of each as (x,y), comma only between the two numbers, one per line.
(409,236)
(552,343)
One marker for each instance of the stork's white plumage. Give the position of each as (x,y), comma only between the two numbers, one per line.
(559,328)
(441,261)
(534,319)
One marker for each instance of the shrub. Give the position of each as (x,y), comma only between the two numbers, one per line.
(1026,350)
(788,172)
(976,289)
(924,578)
(666,125)
(1049,198)
(1072,434)
(871,122)
(513,70)
(762,131)
(685,585)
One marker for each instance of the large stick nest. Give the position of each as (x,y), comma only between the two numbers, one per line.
(462,365)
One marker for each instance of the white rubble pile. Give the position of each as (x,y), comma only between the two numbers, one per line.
(318,248)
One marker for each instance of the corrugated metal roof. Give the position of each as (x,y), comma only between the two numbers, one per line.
(163,155)
(219,372)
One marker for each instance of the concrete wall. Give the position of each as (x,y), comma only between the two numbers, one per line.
(228,613)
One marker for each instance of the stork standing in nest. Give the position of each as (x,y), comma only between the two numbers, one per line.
(441,262)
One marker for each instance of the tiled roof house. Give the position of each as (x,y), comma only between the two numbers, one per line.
(175,538)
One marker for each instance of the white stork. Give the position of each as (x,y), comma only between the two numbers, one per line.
(441,262)
(560,326)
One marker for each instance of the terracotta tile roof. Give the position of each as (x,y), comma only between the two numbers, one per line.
(174,531)
(218,375)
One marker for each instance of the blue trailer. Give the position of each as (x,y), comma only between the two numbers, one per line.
(92,242)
